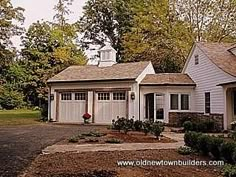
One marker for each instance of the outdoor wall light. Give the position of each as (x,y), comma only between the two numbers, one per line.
(132,96)
(52,97)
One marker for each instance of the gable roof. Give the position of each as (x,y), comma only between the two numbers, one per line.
(122,71)
(168,79)
(220,55)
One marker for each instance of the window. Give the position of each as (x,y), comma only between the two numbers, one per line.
(196,59)
(174,101)
(119,96)
(80,96)
(207,102)
(103,96)
(184,102)
(66,96)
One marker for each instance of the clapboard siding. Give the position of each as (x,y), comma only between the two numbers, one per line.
(207,76)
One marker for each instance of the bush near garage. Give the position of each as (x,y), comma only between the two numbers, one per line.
(156,128)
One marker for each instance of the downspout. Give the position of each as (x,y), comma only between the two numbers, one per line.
(49,103)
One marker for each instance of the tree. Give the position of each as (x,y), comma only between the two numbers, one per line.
(47,51)
(157,35)
(212,21)
(9,26)
(62,10)
(105,21)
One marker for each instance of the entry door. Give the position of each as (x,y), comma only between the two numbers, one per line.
(159,107)
(149,106)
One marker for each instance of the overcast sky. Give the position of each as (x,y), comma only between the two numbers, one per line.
(43,10)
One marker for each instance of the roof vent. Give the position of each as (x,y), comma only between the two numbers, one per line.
(107,56)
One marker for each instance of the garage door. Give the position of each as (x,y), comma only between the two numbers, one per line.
(110,105)
(72,106)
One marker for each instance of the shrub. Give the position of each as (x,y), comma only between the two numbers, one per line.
(229,170)
(232,135)
(191,140)
(157,128)
(146,127)
(214,146)
(113,141)
(183,150)
(234,156)
(138,125)
(73,139)
(203,141)
(201,127)
(227,150)
(210,125)
(10,99)
(128,125)
(188,126)
(118,124)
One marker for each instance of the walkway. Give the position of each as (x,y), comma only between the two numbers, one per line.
(117,147)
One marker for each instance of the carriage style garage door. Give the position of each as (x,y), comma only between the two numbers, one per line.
(109,105)
(72,106)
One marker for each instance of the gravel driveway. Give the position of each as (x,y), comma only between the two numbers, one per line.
(20,145)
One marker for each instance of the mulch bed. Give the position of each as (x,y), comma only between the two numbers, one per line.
(131,137)
(104,164)
(137,137)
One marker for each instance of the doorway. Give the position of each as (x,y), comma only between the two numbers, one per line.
(154,106)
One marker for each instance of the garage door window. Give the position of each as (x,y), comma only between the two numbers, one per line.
(103,96)
(119,96)
(66,96)
(80,96)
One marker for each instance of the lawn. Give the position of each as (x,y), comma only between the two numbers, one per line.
(19,117)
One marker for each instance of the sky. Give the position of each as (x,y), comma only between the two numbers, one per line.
(43,10)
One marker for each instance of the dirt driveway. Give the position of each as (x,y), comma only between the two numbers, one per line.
(20,145)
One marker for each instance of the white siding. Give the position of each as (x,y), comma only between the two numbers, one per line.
(134,107)
(207,76)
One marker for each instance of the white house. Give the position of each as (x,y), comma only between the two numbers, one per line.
(109,90)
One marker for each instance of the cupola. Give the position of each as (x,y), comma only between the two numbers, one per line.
(107,56)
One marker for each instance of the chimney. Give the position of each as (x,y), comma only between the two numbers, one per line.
(107,56)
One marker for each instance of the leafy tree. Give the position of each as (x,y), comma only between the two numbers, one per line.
(49,48)
(105,21)
(209,20)
(157,35)
(9,16)
(10,99)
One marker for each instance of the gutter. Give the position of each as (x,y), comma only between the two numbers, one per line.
(86,81)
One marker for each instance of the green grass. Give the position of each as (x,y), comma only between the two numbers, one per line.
(19,117)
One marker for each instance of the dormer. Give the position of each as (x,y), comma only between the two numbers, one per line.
(107,56)
(233,50)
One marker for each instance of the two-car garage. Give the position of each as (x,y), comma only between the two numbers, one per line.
(106,105)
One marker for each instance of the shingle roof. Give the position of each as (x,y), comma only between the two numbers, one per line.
(120,71)
(220,55)
(168,79)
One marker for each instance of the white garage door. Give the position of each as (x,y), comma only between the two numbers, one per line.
(110,105)
(72,106)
